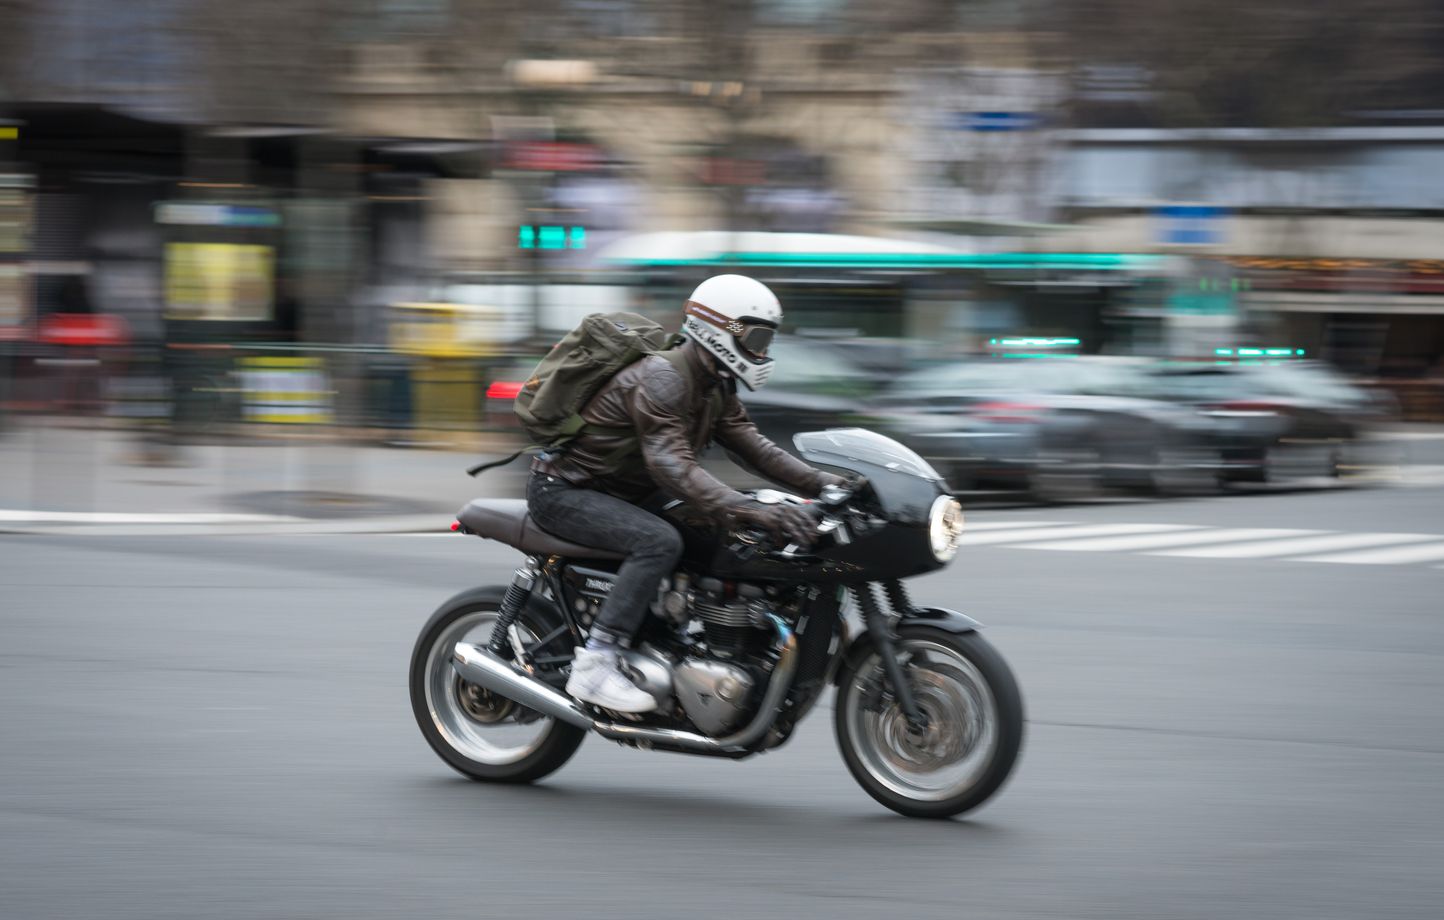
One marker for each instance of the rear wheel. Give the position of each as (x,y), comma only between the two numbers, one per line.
(478,733)
(974,730)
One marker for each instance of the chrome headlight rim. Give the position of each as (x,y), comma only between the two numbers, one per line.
(945,527)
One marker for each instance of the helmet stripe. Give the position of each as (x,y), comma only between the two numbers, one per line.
(702,311)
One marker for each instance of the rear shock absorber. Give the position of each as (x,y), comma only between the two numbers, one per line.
(511,606)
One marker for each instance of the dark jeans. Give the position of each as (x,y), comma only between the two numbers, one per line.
(593,518)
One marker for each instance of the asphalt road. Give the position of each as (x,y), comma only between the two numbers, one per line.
(218,727)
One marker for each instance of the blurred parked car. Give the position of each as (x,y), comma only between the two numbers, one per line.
(881,359)
(1058,428)
(1281,422)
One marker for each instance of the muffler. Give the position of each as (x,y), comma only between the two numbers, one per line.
(479,666)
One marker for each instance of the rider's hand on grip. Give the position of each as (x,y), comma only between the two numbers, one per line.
(837,489)
(786,522)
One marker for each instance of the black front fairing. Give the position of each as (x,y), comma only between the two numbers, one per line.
(888,523)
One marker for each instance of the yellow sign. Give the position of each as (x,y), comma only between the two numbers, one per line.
(13,302)
(444,330)
(285,390)
(14,219)
(218,281)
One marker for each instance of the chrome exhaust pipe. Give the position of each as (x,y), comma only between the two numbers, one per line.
(479,666)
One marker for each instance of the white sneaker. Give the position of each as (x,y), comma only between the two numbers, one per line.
(596,679)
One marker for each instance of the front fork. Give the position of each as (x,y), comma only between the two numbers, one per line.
(879,627)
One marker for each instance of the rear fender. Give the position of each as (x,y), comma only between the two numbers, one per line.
(939,618)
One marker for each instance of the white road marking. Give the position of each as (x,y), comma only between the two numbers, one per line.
(1159,540)
(970,527)
(140,517)
(1410,436)
(1028,534)
(1394,555)
(1298,546)
(1420,475)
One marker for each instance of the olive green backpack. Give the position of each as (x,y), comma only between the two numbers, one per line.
(550,402)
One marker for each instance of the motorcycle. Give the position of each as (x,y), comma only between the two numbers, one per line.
(743,640)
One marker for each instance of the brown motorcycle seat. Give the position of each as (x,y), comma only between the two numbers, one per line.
(507,520)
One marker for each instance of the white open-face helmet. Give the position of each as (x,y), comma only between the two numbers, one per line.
(735,317)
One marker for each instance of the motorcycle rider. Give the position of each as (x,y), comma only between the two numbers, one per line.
(587,491)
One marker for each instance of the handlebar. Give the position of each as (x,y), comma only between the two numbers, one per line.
(752,539)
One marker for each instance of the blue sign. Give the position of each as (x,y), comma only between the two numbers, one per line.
(1191,224)
(995,121)
(216,215)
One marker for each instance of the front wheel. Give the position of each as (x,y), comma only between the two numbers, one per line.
(974,714)
(479,734)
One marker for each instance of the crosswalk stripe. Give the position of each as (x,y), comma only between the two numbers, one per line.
(1025,535)
(1297,546)
(1159,540)
(1009,525)
(1394,555)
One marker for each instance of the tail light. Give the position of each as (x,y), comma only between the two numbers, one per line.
(1008,412)
(503,389)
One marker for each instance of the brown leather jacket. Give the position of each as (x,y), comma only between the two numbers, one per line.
(673,422)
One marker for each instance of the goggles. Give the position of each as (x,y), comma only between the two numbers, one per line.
(754,338)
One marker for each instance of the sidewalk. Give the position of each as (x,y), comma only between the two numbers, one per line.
(63,479)
(56,479)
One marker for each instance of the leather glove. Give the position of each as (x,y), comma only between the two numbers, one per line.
(852,482)
(786,522)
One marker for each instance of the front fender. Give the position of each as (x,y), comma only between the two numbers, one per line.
(932,617)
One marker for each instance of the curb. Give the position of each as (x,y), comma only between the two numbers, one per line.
(157,525)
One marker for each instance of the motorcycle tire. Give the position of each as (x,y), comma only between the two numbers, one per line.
(547,754)
(1007,705)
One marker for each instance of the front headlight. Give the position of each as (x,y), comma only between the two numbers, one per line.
(945,527)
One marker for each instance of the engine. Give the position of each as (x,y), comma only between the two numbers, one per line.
(716,688)
(731,617)
(713,673)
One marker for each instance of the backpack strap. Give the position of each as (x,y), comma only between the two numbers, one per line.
(483,467)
